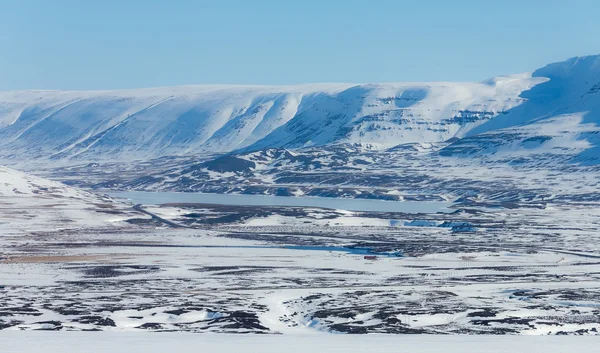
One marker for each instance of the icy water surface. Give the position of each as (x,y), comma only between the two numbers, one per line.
(156,198)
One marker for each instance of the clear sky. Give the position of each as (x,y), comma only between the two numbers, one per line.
(105,44)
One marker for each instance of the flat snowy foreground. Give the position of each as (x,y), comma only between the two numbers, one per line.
(114,342)
(74,261)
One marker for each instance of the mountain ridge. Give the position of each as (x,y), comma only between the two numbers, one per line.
(76,126)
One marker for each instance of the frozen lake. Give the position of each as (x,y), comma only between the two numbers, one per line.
(157,198)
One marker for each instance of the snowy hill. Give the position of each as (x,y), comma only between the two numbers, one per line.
(14,183)
(31,204)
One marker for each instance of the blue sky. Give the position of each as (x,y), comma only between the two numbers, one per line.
(93,44)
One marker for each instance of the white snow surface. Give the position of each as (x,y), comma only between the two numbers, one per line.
(92,342)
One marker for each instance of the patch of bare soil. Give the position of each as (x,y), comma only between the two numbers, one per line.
(52,258)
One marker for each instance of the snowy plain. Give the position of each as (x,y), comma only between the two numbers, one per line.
(291,270)
(66,342)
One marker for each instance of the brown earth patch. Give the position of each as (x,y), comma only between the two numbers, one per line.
(52,258)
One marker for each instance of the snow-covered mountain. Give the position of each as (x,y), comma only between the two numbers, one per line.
(148,123)
(559,117)
(182,120)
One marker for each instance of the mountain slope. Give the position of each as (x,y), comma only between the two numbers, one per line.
(560,117)
(572,86)
(386,115)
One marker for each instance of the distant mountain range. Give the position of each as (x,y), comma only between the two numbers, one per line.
(555,109)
